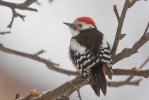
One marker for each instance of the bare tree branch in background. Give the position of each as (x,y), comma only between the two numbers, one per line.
(38,3)
(122,83)
(49,64)
(3,33)
(128,80)
(22,6)
(70,87)
(127,52)
(144,63)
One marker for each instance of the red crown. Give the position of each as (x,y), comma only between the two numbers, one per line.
(87,20)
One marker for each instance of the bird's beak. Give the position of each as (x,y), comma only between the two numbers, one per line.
(71,25)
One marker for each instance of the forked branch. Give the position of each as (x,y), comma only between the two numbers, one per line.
(127,5)
(22,6)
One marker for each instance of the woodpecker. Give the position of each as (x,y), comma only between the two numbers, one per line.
(90,53)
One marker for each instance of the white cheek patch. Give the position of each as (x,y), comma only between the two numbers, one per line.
(74,32)
(75,46)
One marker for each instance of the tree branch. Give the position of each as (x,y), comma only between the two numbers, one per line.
(120,25)
(128,80)
(64,91)
(127,52)
(128,72)
(22,6)
(122,83)
(78,82)
(3,33)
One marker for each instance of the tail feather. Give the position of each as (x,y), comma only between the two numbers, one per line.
(98,80)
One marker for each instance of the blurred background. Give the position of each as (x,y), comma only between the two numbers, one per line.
(45,30)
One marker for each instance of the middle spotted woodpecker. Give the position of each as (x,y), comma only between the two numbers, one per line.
(90,53)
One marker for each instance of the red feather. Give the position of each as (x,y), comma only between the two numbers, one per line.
(85,19)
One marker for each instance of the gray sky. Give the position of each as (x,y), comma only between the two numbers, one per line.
(44,30)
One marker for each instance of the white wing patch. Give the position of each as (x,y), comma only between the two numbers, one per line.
(104,43)
(75,46)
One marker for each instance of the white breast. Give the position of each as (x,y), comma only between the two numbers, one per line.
(75,46)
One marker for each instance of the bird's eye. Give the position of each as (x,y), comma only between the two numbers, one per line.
(80,25)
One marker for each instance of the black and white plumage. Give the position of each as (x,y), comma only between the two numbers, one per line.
(90,53)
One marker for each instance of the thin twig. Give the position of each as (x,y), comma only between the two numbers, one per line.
(38,3)
(144,63)
(15,14)
(116,12)
(122,83)
(121,36)
(139,68)
(79,95)
(39,52)
(145,32)
(128,80)
(3,33)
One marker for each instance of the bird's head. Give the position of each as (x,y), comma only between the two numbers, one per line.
(80,24)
